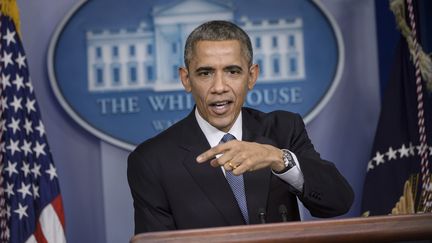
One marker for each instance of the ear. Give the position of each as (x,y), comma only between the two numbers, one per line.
(184,76)
(253,76)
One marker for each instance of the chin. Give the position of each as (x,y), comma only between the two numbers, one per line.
(221,125)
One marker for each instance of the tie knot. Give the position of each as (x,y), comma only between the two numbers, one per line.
(227,137)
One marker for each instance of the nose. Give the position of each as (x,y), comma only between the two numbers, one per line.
(219,84)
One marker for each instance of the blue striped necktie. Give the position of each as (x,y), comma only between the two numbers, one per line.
(237,184)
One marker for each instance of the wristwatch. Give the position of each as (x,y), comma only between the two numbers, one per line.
(288,161)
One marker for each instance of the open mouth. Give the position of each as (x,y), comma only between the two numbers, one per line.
(220,107)
(220,103)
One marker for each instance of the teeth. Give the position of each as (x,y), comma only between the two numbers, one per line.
(220,103)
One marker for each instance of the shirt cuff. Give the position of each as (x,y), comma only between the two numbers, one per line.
(293,176)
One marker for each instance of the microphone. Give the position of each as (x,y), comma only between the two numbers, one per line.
(283,212)
(262,215)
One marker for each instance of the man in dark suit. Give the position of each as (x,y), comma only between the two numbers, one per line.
(224,164)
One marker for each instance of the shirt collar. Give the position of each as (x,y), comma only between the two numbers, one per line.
(213,134)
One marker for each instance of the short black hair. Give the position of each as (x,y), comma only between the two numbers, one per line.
(218,30)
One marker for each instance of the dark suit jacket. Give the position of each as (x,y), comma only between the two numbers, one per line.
(172,191)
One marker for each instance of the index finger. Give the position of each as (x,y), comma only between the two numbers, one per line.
(211,153)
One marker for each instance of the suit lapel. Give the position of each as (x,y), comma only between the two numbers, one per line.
(257,183)
(211,180)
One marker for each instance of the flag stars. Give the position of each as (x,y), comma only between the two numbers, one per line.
(9,190)
(370,165)
(13,146)
(411,149)
(21,211)
(20,60)
(11,168)
(391,154)
(25,168)
(379,158)
(41,129)
(27,165)
(52,172)
(26,147)
(30,105)
(30,86)
(39,149)
(28,126)
(9,37)
(25,155)
(403,151)
(3,103)
(18,82)
(5,81)
(36,171)
(2,125)
(16,103)
(25,190)
(7,59)
(14,125)
(35,191)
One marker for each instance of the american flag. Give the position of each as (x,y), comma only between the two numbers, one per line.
(31,205)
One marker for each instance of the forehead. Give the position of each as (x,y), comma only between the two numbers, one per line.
(225,50)
(203,45)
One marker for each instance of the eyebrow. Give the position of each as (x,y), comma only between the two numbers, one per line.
(205,68)
(228,68)
(233,67)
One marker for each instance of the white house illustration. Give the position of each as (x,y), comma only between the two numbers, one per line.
(148,57)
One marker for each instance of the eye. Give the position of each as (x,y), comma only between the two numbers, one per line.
(233,70)
(204,73)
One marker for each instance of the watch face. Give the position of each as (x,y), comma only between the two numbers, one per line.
(288,160)
(289,157)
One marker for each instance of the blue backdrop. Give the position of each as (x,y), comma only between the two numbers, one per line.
(92,173)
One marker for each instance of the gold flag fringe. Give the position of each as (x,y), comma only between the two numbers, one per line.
(10,8)
(398,9)
(405,205)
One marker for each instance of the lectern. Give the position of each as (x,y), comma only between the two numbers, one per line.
(370,229)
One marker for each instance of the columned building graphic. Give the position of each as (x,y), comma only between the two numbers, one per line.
(148,57)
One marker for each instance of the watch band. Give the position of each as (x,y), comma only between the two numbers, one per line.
(288,161)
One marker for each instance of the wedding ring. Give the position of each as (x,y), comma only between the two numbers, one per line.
(232,166)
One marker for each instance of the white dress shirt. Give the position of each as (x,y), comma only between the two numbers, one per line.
(293,176)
